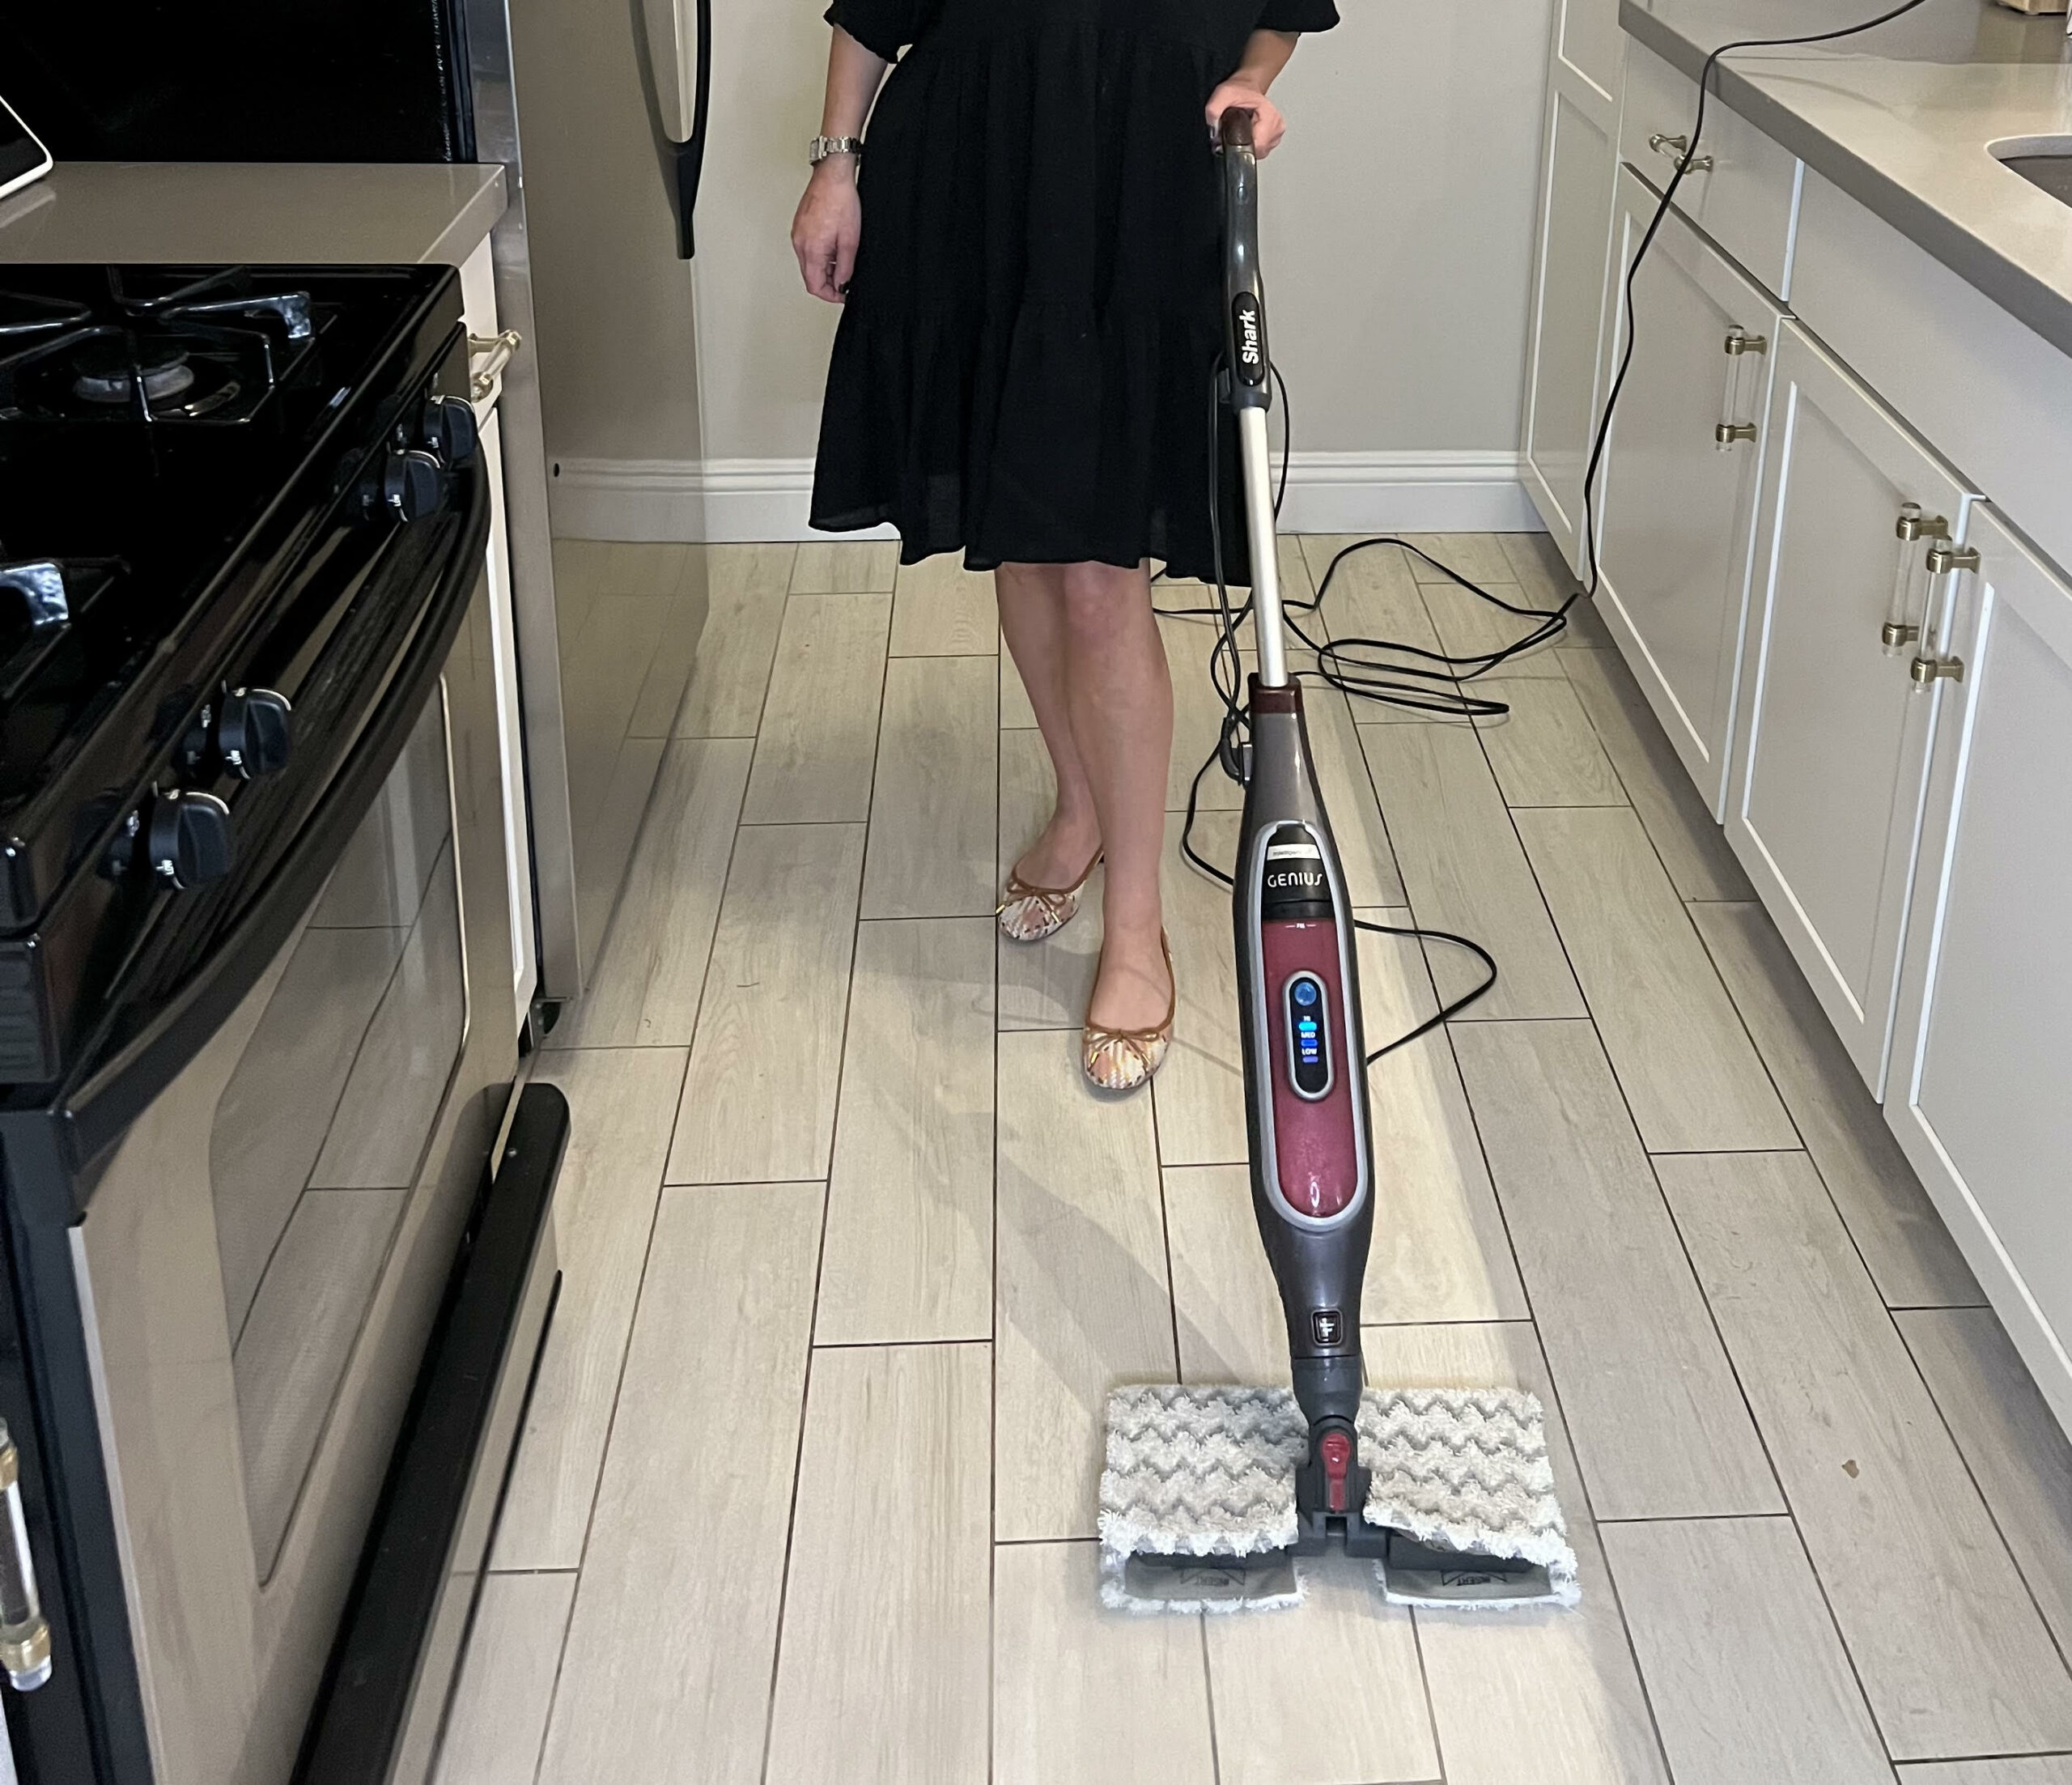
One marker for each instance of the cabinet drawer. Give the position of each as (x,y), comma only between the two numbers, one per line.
(1747,201)
(1992,393)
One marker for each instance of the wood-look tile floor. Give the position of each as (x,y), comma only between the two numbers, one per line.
(806,1493)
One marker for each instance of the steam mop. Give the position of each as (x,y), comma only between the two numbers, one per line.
(1211,1493)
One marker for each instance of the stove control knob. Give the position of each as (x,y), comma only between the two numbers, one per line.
(188,840)
(253,733)
(450,430)
(413,483)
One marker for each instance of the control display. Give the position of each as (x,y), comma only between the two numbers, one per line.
(1309,1036)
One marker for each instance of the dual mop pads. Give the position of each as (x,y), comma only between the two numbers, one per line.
(1198,1499)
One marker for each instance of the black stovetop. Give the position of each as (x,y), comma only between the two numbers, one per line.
(165,434)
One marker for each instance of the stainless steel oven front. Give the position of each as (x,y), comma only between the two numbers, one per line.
(259,1257)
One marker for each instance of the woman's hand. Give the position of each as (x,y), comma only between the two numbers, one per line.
(1239,95)
(829,224)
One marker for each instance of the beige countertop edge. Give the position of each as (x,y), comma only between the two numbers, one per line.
(2013,243)
(280,213)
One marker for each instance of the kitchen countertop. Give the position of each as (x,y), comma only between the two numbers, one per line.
(1899,118)
(203,212)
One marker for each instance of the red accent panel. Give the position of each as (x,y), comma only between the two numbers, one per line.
(1313,1142)
(1336,1450)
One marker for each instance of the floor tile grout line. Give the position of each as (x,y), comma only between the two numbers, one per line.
(1424,1685)
(611,1422)
(899,1345)
(993,1298)
(1694,1518)
(820,1250)
(560,1660)
(1841,1641)
(1762,1438)
(1208,1699)
(705,970)
(791,1513)
(1777,1090)
(1978,1487)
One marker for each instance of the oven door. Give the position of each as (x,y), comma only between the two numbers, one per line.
(264,1248)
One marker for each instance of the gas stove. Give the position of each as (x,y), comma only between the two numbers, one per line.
(199,470)
(154,346)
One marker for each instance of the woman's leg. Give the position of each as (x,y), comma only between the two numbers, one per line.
(1118,694)
(1032,601)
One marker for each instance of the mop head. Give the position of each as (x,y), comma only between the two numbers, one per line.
(1209,1473)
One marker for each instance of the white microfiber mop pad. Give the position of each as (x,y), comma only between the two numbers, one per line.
(1210,1472)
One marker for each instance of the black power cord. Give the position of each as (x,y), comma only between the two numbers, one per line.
(1408,676)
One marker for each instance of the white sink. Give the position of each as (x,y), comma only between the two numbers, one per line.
(2043,161)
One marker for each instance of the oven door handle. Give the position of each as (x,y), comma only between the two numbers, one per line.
(118,1092)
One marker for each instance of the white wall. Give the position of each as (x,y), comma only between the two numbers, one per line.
(1399,234)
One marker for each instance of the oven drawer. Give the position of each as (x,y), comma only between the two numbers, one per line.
(1742,191)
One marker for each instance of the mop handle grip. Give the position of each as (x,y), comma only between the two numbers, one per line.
(1244,307)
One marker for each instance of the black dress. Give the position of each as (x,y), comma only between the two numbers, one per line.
(1025,369)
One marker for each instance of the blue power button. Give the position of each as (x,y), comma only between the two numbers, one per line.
(1305,992)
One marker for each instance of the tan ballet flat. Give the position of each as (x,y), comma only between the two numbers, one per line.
(1030,913)
(1120,1060)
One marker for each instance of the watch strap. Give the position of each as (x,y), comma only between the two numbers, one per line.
(823,147)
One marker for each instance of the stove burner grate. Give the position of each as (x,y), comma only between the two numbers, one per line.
(209,349)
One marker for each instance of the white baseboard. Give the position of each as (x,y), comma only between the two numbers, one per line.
(738,500)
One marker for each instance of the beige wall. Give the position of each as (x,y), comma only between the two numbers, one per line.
(1398,222)
(618,366)
(764,341)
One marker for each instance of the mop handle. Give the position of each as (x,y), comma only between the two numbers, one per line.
(1250,384)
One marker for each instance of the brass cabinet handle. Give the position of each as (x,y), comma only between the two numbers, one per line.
(1900,629)
(24,1631)
(487,356)
(1739,344)
(1678,149)
(1945,563)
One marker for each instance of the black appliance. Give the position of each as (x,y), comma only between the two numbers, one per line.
(432,80)
(373,80)
(267,1314)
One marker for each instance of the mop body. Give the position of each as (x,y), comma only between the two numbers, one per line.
(1197,1507)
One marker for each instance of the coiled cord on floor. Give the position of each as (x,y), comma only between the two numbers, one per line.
(1408,676)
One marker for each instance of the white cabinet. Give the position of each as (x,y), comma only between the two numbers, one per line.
(1578,160)
(1741,189)
(1824,810)
(478,300)
(1682,464)
(1981,1093)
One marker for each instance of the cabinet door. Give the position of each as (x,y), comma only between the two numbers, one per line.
(1677,490)
(1578,160)
(1825,809)
(1981,1085)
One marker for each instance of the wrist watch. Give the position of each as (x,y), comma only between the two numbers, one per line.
(823,147)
